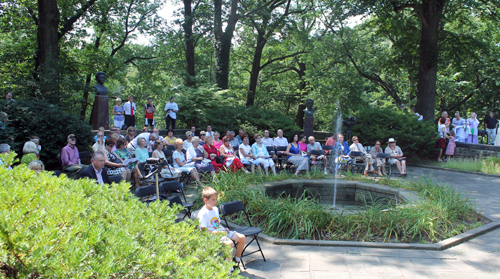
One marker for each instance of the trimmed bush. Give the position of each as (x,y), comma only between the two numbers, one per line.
(416,138)
(47,121)
(55,227)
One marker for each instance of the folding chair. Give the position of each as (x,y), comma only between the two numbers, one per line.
(360,167)
(145,191)
(281,157)
(177,200)
(176,187)
(230,208)
(171,147)
(317,153)
(329,153)
(115,178)
(386,156)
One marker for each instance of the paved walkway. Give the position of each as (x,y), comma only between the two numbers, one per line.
(477,258)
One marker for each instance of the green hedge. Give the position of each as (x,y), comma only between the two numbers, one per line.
(47,121)
(416,138)
(54,227)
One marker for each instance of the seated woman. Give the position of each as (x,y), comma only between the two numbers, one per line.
(246,155)
(341,151)
(113,163)
(263,157)
(197,154)
(122,154)
(170,139)
(29,150)
(189,140)
(396,156)
(294,157)
(212,154)
(302,145)
(380,161)
(130,134)
(203,135)
(141,153)
(180,162)
(231,161)
(217,142)
(366,158)
(36,166)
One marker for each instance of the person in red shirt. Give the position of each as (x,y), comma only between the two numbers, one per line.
(150,110)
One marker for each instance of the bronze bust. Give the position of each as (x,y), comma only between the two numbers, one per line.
(309,111)
(102,90)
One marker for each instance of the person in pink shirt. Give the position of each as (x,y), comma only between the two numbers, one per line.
(70,158)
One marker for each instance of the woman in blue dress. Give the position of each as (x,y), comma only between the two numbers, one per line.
(118,112)
(294,157)
(458,125)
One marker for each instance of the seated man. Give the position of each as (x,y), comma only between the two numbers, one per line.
(70,158)
(366,157)
(278,141)
(115,130)
(313,145)
(96,170)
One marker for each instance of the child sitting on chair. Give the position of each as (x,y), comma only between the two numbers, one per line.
(209,220)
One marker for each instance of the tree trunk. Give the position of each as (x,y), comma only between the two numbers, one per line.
(85,101)
(431,14)
(254,75)
(302,86)
(48,46)
(223,42)
(189,43)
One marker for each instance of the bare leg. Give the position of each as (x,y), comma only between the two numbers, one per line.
(241,239)
(398,164)
(440,154)
(274,169)
(194,175)
(403,166)
(252,168)
(126,175)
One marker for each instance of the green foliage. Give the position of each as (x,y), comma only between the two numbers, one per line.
(55,227)
(444,212)
(416,138)
(489,165)
(206,105)
(47,121)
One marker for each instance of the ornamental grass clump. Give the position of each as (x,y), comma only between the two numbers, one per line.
(443,212)
(54,227)
(489,165)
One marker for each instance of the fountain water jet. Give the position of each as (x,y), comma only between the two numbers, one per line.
(337,128)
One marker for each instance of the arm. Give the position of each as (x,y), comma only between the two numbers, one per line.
(287,152)
(242,152)
(111,164)
(223,153)
(64,157)
(114,111)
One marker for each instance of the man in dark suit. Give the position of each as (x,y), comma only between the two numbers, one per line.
(96,170)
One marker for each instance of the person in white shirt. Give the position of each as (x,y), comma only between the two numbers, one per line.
(314,145)
(420,117)
(189,140)
(99,144)
(366,157)
(209,131)
(130,111)
(132,146)
(171,109)
(266,140)
(232,140)
(246,155)
(280,140)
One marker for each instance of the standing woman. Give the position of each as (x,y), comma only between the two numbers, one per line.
(217,142)
(293,152)
(197,154)
(396,156)
(212,153)
(231,161)
(471,132)
(458,125)
(118,112)
(263,157)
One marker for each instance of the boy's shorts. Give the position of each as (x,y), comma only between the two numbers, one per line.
(228,237)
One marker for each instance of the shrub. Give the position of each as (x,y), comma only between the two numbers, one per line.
(416,138)
(206,105)
(47,121)
(55,227)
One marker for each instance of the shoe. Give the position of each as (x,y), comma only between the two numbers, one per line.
(403,175)
(366,174)
(380,174)
(326,172)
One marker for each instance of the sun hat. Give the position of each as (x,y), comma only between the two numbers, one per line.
(391,140)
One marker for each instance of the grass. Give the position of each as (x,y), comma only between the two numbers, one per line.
(489,165)
(444,212)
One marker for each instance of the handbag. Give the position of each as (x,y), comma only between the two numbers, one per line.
(219,159)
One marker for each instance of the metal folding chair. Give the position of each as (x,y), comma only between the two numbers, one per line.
(356,167)
(233,207)
(317,153)
(176,187)
(386,156)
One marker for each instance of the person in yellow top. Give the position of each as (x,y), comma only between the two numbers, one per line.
(170,139)
(29,150)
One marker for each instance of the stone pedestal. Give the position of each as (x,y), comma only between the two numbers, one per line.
(308,125)
(100,113)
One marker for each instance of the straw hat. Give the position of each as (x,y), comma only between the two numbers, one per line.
(391,140)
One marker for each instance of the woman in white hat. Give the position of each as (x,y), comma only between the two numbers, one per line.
(118,112)
(397,156)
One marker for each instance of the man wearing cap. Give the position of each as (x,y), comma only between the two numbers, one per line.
(171,110)
(149,137)
(70,158)
(130,109)
(96,170)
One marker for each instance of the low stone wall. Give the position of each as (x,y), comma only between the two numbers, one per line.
(476,151)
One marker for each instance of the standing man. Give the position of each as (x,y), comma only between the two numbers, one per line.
(70,158)
(193,130)
(171,110)
(8,97)
(491,125)
(96,170)
(130,111)
(266,140)
(150,110)
(209,131)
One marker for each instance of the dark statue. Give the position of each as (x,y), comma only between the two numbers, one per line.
(102,90)
(309,111)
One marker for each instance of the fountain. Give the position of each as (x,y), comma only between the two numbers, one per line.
(337,127)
